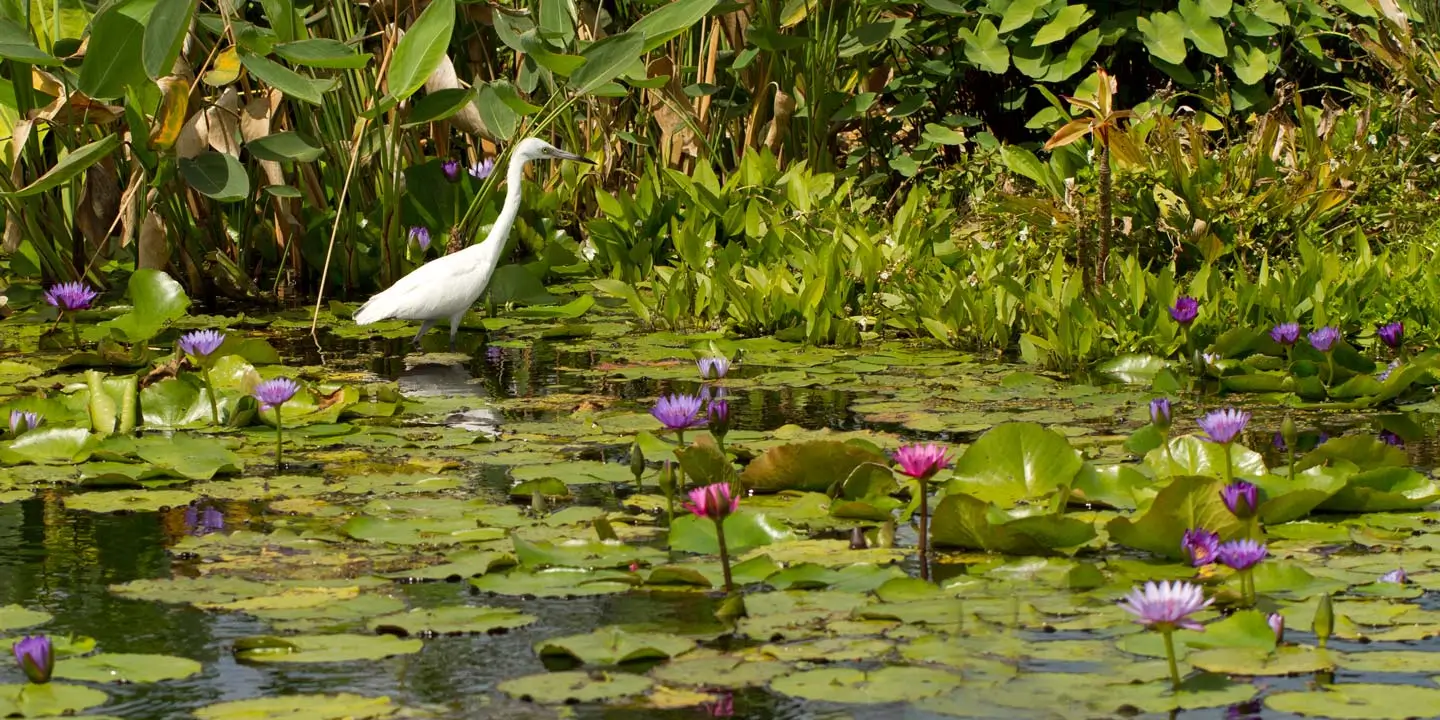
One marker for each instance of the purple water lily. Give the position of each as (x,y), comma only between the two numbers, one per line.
(1166,605)
(420,235)
(1160,413)
(451,169)
(1286,334)
(482,169)
(679,412)
(1277,625)
(1185,310)
(24,421)
(713,367)
(1391,439)
(1396,576)
(1224,426)
(201,343)
(1241,554)
(718,412)
(277,392)
(1242,498)
(1325,338)
(1200,545)
(71,296)
(36,657)
(1392,334)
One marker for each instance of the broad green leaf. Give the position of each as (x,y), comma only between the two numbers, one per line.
(289,146)
(1357,701)
(421,51)
(288,81)
(323,53)
(1164,34)
(1203,30)
(165,34)
(113,58)
(1064,23)
(814,466)
(70,166)
(984,48)
(1250,64)
(963,521)
(670,20)
(156,301)
(606,60)
(569,688)
(341,706)
(495,114)
(1014,462)
(613,646)
(1186,503)
(217,175)
(323,648)
(126,668)
(1077,57)
(439,105)
(1019,13)
(15,44)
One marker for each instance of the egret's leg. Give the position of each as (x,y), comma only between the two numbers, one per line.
(454,328)
(424,328)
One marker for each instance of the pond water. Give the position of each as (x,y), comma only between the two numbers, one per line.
(484,422)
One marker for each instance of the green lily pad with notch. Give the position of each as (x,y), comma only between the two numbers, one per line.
(614,646)
(48,700)
(156,301)
(455,620)
(1285,501)
(1358,701)
(583,554)
(126,668)
(1187,502)
(340,706)
(724,671)
(835,649)
(815,466)
(1111,486)
(1385,489)
(129,500)
(1190,455)
(323,648)
(898,683)
(566,688)
(1244,629)
(855,578)
(15,617)
(50,446)
(968,522)
(418,531)
(1291,660)
(556,583)
(1014,462)
(190,457)
(346,615)
(744,530)
(195,591)
(459,565)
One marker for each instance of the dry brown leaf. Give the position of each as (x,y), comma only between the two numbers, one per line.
(154,250)
(445,78)
(99,203)
(223,123)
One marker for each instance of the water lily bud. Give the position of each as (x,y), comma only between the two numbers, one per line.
(857,539)
(637,461)
(1289,433)
(1324,623)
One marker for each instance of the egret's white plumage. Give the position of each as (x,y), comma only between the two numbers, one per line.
(447,286)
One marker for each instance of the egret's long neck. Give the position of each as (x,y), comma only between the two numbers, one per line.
(490,249)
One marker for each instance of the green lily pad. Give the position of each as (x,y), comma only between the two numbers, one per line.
(594,554)
(126,668)
(418,531)
(1358,701)
(129,500)
(1257,661)
(613,646)
(451,621)
(1187,502)
(50,446)
(1014,462)
(187,456)
(744,530)
(813,466)
(725,671)
(323,648)
(47,700)
(341,706)
(565,688)
(967,522)
(15,617)
(885,685)
(556,582)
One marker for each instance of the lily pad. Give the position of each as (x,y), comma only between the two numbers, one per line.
(47,700)
(126,668)
(1358,701)
(1014,462)
(967,522)
(129,500)
(565,688)
(451,621)
(342,706)
(1257,661)
(813,466)
(323,648)
(897,683)
(613,646)
(726,671)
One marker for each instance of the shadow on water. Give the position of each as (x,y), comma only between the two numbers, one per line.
(63,562)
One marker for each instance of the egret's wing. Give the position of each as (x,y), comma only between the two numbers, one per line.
(426,293)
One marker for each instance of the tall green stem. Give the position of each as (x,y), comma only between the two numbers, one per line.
(210,391)
(1229,474)
(279,436)
(724,555)
(1170,655)
(924,530)
(1330,369)
(74,329)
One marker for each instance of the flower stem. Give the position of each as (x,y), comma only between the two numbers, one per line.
(74,329)
(210,391)
(724,555)
(1247,587)
(1330,367)
(1229,475)
(1290,452)
(279,437)
(924,530)
(1170,655)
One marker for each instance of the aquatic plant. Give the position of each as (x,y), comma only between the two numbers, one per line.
(200,522)
(1165,607)
(1323,624)
(70,298)
(200,345)
(718,412)
(420,235)
(1277,624)
(713,367)
(1200,545)
(1241,499)
(1286,334)
(678,413)
(36,657)
(22,421)
(451,170)
(1185,310)
(274,394)
(715,502)
(1242,556)
(1390,438)
(921,462)
(482,169)
(1160,413)
(1324,339)
(1223,427)
(1392,334)
(1396,576)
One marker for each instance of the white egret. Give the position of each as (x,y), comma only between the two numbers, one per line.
(447,286)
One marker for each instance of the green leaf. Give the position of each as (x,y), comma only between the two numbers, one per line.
(156,301)
(1064,23)
(126,668)
(15,44)
(422,49)
(984,48)
(1014,462)
(439,105)
(1357,701)
(966,522)
(288,81)
(1164,34)
(113,60)
(613,646)
(569,688)
(454,620)
(496,115)
(165,35)
(1077,57)
(70,166)
(606,60)
(323,648)
(894,684)
(1187,502)
(342,706)
(1019,13)
(1249,63)
(323,53)
(669,21)
(1202,30)
(217,175)
(289,146)
(744,530)
(50,446)
(51,699)
(814,466)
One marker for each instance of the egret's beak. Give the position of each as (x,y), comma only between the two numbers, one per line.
(562,155)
